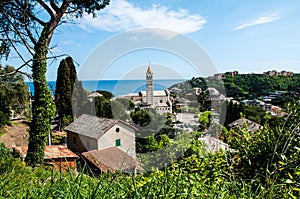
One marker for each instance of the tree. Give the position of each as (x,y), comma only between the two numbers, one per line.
(205,120)
(31,25)
(79,99)
(13,94)
(66,76)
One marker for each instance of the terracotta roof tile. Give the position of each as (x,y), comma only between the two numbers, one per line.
(51,152)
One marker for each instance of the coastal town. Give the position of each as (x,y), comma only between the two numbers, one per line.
(149,99)
(109,144)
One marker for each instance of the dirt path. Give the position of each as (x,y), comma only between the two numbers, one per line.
(17,135)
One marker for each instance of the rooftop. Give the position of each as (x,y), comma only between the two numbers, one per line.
(92,126)
(156,93)
(252,126)
(51,152)
(111,159)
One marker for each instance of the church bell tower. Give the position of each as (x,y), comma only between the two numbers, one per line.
(149,86)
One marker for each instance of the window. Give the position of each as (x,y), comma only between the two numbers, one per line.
(117,130)
(160,101)
(118,142)
(74,140)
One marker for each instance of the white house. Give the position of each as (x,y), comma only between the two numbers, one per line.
(90,132)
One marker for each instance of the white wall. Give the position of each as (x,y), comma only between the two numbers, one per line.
(126,134)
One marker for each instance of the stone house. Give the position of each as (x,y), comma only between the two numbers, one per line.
(90,132)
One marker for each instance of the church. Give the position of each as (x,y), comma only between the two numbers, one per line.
(157,99)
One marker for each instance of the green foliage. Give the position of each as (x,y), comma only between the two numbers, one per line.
(233,112)
(106,94)
(66,75)
(70,97)
(270,156)
(161,151)
(14,94)
(253,113)
(256,85)
(79,99)
(205,120)
(127,104)
(5,152)
(58,139)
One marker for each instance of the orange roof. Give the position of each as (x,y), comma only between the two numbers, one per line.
(51,152)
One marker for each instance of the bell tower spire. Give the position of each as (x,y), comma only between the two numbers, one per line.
(149,86)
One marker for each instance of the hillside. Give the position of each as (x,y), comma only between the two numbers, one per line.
(250,85)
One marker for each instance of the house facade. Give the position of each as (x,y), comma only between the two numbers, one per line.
(90,132)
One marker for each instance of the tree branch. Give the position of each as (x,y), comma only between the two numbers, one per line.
(32,39)
(26,63)
(24,9)
(35,18)
(47,8)
(16,31)
(56,19)
(17,70)
(54,6)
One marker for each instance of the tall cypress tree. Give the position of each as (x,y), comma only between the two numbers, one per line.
(70,96)
(66,75)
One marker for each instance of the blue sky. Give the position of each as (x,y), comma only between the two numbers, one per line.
(248,36)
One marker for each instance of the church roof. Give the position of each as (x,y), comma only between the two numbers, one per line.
(156,93)
(149,70)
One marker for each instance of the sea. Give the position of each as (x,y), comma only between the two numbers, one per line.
(116,87)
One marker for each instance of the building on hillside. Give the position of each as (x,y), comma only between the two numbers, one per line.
(277,111)
(232,73)
(265,106)
(252,126)
(276,73)
(56,156)
(213,95)
(219,76)
(90,132)
(181,102)
(157,99)
(271,73)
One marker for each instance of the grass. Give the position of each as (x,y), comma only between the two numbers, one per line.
(19,181)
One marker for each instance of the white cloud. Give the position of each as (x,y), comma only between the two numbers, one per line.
(121,15)
(259,21)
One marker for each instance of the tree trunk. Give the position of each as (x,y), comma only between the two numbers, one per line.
(43,109)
